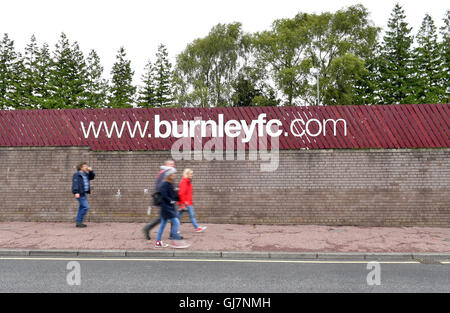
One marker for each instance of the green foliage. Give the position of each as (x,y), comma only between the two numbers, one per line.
(31,75)
(340,42)
(96,87)
(10,74)
(427,65)
(366,88)
(396,61)
(122,90)
(331,43)
(163,78)
(445,59)
(344,72)
(147,91)
(157,82)
(36,75)
(247,92)
(282,50)
(67,76)
(208,66)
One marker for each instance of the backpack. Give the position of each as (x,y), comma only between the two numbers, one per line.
(156,198)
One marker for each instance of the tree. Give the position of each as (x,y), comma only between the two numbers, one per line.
(122,91)
(340,44)
(206,68)
(163,78)
(344,72)
(427,64)
(445,58)
(147,92)
(96,86)
(366,88)
(43,68)
(330,44)
(282,49)
(10,74)
(36,67)
(67,81)
(30,76)
(244,91)
(251,90)
(396,61)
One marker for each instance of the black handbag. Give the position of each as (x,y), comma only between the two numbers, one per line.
(156,198)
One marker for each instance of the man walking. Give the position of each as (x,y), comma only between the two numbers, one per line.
(159,179)
(80,188)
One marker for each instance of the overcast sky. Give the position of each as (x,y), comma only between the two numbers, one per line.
(141,25)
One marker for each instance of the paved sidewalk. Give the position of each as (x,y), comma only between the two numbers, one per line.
(228,237)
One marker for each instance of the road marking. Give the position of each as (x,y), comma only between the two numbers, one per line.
(206,260)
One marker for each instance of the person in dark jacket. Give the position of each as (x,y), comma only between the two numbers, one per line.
(168,211)
(159,179)
(81,187)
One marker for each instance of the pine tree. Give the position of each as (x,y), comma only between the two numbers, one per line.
(67,76)
(42,80)
(445,58)
(122,91)
(427,64)
(367,88)
(29,72)
(147,92)
(163,78)
(10,75)
(396,60)
(31,75)
(96,86)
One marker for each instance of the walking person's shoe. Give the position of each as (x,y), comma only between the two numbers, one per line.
(81,225)
(179,244)
(200,229)
(160,244)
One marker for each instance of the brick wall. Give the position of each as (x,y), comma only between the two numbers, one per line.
(328,187)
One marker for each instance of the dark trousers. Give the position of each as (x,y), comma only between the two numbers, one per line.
(153,223)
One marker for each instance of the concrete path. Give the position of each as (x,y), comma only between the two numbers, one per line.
(228,237)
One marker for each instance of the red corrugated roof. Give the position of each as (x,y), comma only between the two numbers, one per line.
(383,126)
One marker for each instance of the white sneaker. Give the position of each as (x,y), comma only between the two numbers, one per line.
(179,244)
(160,244)
(200,229)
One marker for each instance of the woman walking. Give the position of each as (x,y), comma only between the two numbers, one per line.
(185,195)
(168,211)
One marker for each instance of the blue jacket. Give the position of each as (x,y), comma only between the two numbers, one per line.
(167,200)
(78,184)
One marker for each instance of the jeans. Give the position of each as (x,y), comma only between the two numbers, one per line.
(174,229)
(191,213)
(82,208)
(147,228)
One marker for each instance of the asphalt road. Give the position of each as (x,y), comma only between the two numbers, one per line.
(176,275)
